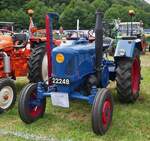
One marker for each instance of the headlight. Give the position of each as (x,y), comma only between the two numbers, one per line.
(60,58)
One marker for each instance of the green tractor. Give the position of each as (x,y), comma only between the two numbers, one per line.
(130,29)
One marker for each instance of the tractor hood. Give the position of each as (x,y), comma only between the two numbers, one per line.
(73,62)
(5,41)
(74,49)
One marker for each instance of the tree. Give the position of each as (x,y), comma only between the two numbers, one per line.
(100,4)
(71,10)
(59,8)
(40,10)
(11,4)
(77,9)
(20,18)
(117,11)
(54,2)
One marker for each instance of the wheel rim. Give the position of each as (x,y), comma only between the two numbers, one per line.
(106,113)
(6,97)
(45,68)
(135,77)
(34,109)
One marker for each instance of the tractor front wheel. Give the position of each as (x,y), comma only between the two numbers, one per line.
(7,94)
(102,111)
(30,108)
(128,79)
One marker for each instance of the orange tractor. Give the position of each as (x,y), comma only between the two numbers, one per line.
(20,52)
(14,55)
(17,52)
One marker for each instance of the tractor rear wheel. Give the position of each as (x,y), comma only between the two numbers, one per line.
(29,107)
(128,78)
(102,111)
(7,94)
(38,65)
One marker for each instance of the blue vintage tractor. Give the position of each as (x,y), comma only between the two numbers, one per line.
(81,71)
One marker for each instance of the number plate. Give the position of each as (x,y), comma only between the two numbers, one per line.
(60,81)
(60,99)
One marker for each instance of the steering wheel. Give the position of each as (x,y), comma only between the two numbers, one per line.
(72,35)
(5,31)
(91,35)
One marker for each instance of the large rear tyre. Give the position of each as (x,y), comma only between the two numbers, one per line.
(102,111)
(38,65)
(7,94)
(29,107)
(128,78)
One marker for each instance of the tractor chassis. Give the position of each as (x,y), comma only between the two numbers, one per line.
(41,93)
(45,91)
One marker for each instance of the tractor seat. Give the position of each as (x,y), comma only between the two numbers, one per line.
(20,40)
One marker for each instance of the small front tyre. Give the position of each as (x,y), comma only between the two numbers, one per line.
(30,108)
(102,111)
(7,94)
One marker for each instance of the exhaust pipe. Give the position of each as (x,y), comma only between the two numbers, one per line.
(98,44)
(6,60)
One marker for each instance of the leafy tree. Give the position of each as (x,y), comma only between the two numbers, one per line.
(40,10)
(118,11)
(11,4)
(54,2)
(59,8)
(77,9)
(20,16)
(71,10)
(100,4)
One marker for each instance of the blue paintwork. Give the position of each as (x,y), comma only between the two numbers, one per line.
(78,65)
(127,45)
(105,76)
(79,61)
(81,41)
(41,93)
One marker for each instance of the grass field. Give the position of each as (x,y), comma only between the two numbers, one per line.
(130,122)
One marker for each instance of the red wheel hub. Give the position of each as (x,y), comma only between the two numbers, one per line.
(135,76)
(34,110)
(106,113)
(6,97)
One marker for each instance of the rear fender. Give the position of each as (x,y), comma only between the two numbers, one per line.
(125,48)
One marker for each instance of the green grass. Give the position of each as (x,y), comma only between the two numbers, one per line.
(131,122)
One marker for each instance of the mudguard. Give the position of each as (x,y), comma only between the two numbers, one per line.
(125,48)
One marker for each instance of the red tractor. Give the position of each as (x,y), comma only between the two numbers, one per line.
(15,51)
(14,55)
(20,52)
